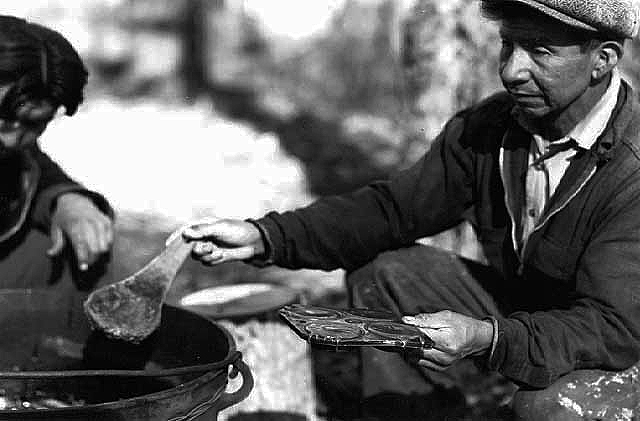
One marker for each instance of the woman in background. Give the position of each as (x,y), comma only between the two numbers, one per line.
(43,212)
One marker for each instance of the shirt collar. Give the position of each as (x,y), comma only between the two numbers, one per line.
(587,131)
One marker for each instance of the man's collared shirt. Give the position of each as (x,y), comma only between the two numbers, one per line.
(543,178)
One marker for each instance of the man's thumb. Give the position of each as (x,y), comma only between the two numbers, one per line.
(57,241)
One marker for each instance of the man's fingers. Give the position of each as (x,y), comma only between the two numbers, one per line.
(438,357)
(432,359)
(432,366)
(419,320)
(212,258)
(193,226)
(209,254)
(426,323)
(198,232)
(239,253)
(438,336)
(426,320)
(57,241)
(202,248)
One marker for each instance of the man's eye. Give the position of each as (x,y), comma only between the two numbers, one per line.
(538,50)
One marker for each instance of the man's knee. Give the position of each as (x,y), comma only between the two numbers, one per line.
(368,274)
(545,404)
(364,282)
(395,271)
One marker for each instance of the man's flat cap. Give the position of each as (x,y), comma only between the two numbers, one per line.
(613,17)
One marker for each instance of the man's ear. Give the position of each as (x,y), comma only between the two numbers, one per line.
(608,54)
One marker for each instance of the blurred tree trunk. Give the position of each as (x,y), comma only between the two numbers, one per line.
(450,60)
(192,32)
(630,64)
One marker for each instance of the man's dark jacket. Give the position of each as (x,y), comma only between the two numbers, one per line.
(576,286)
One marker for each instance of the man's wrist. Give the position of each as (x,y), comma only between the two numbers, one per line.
(484,337)
(263,256)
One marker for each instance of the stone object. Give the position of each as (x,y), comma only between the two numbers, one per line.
(585,395)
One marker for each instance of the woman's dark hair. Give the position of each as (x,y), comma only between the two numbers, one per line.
(41,64)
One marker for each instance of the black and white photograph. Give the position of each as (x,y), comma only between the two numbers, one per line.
(320,210)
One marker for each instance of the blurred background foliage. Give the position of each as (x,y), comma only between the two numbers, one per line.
(237,107)
(380,76)
(371,77)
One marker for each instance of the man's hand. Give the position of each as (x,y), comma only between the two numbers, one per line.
(77,219)
(224,240)
(455,337)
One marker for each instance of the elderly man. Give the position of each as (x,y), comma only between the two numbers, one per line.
(549,174)
(41,209)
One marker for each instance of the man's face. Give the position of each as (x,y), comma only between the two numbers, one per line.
(25,123)
(543,66)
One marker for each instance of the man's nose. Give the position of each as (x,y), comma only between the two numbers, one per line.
(514,67)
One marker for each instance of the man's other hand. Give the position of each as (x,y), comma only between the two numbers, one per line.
(224,240)
(77,219)
(455,337)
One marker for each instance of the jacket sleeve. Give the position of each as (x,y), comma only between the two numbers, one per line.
(600,329)
(349,230)
(52,183)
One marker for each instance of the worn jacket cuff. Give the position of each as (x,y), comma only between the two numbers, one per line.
(274,236)
(266,258)
(511,356)
(494,339)
(500,349)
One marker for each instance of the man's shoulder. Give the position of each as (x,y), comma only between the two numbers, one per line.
(626,121)
(498,105)
(483,124)
(492,112)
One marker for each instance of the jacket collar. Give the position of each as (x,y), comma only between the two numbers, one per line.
(608,143)
(587,131)
(514,161)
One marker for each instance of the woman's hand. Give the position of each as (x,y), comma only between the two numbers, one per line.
(77,219)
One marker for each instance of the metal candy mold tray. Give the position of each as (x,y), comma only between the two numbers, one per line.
(341,328)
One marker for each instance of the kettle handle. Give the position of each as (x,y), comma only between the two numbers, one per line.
(220,401)
(228,399)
